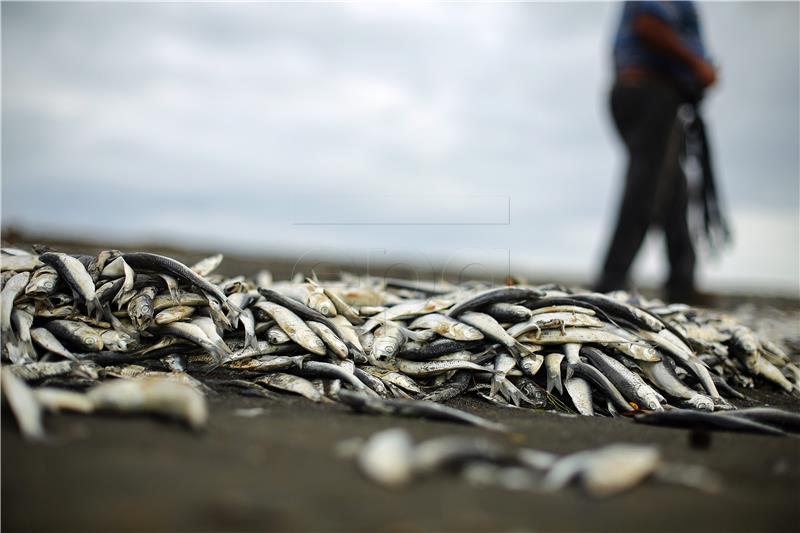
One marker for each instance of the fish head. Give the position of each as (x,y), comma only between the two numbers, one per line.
(92,342)
(317,300)
(384,349)
(117,341)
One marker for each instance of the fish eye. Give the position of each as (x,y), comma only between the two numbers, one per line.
(89,341)
(48,285)
(390,349)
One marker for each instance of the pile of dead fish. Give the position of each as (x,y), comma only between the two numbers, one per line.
(140,332)
(391,459)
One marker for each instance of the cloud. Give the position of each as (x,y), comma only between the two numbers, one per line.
(221,125)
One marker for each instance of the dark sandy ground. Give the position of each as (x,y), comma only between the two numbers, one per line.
(279,471)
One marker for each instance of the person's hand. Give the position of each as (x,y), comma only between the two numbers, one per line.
(705,73)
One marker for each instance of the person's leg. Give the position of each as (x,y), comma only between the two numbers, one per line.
(644,115)
(680,249)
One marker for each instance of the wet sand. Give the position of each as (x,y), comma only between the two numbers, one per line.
(279,471)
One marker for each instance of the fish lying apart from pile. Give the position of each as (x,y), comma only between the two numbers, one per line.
(140,332)
(391,458)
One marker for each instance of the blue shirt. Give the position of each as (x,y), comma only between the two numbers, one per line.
(630,51)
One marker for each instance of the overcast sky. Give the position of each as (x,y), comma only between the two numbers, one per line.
(475,135)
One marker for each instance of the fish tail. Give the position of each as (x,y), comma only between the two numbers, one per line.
(94,308)
(519,350)
(369,325)
(570,372)
(252,341)
(233,313)
(554,380)
(495,385)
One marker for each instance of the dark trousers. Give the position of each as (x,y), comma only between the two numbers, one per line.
(655,186)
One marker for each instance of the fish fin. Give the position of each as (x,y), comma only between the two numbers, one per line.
(413,335)
(93,309)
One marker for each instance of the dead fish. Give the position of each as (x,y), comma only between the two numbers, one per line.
(456,385)
(173,314)
(508,313)
(491,296)
(206,266)
(664,378)
(117,341)
(75,274)
(210,329)
(334,343)
(406,310)
(452,451)
(446,327)
(386,458)
(140,308)
(248,322)
(26,409)
(432,368)
(19,263)
(414,408)
(530,364)
(56,400)
(290,383)
(151,395)
(388,340)
(275,335)
(629,346)
(785,420)
(329,370)
(22,321)
(632,387)
(581,394)
(492,329)
(262,348)
(49,342)
(77,333)
(41,370)
(552,363)
(267,363)
(294,327)
(159,263)
(43,282)
(191,299)
(11,290)
(395,378)
(606,471)
(686,418)
(195,335)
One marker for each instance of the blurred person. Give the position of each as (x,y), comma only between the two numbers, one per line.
(660,64)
